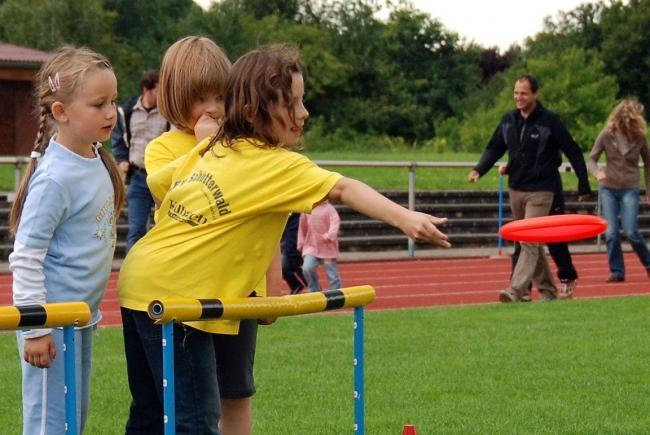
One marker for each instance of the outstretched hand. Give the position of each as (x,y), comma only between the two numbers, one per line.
(421,227)
(473,176)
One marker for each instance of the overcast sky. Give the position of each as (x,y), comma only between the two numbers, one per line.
(495,22)
(490,23)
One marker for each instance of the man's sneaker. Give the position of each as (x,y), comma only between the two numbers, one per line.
(547,295)
(507,296)
(567,288)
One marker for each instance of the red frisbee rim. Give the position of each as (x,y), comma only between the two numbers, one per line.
(556,228)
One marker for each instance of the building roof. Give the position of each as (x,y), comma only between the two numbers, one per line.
(21,57)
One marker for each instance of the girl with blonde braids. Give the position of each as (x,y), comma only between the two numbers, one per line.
(63,219)
(623,140)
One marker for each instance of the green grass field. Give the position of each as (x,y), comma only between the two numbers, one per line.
(578,367)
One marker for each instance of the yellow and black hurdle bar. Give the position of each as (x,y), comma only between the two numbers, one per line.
(168,311)
(54,315)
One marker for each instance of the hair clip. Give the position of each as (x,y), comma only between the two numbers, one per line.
(35,155)
(55,84)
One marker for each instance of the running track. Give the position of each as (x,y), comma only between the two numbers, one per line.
(433,282)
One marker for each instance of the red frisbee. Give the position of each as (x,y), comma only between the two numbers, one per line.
(557,228)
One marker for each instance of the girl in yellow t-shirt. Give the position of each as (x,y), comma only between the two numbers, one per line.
(223,208)
(193,76)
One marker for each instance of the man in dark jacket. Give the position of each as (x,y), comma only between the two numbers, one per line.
(534,137)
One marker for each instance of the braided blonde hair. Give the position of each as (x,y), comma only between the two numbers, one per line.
(57,80)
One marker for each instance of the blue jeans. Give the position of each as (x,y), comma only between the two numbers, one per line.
(197,391)
(623,203)
(309,265)
(139,203)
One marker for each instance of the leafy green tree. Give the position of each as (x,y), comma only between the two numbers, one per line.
(46,24)
(141,32)
(626,46)
(572,84)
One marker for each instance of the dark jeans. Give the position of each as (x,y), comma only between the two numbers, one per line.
(197,391)
(139,203)
(291,257)
(559,251)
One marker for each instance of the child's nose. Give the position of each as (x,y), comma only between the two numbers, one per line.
(304,113)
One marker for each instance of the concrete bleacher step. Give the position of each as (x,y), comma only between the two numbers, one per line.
(473,221)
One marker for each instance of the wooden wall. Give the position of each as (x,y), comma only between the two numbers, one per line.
(17,119)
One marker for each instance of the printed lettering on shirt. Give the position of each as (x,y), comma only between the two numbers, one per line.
(179,212)
(105,219)
(219,206)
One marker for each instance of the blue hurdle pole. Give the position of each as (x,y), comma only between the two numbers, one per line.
(168,378)
(500,223)
(359,394)
(70,379)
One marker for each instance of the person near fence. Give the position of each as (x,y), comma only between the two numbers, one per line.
(63,219)
(623,141)
(139,122)
(223,208)
(318,240)
(533,136)
(291,256)
(193,75)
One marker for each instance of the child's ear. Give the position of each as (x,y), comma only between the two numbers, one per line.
(58,112)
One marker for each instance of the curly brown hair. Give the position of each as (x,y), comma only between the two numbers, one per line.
(258,80)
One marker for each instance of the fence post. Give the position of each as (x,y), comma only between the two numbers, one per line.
(413,165)
(500,219)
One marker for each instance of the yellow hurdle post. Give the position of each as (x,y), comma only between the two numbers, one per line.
(170,310)
(63,314)
(44,316)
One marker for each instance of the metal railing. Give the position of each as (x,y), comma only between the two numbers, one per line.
(412,166)
(18,162)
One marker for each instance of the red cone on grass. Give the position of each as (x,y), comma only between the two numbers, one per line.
(409,429)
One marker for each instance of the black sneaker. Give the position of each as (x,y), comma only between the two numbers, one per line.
(615,278)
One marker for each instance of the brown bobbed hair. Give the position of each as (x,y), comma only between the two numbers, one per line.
(259,80)
(69,65)
(193,67)
(627,119)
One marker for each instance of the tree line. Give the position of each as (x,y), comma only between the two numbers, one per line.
(374,82)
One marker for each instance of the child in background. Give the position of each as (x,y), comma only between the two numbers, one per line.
(63,219)
(223,209)
(319,243)
(291,256)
